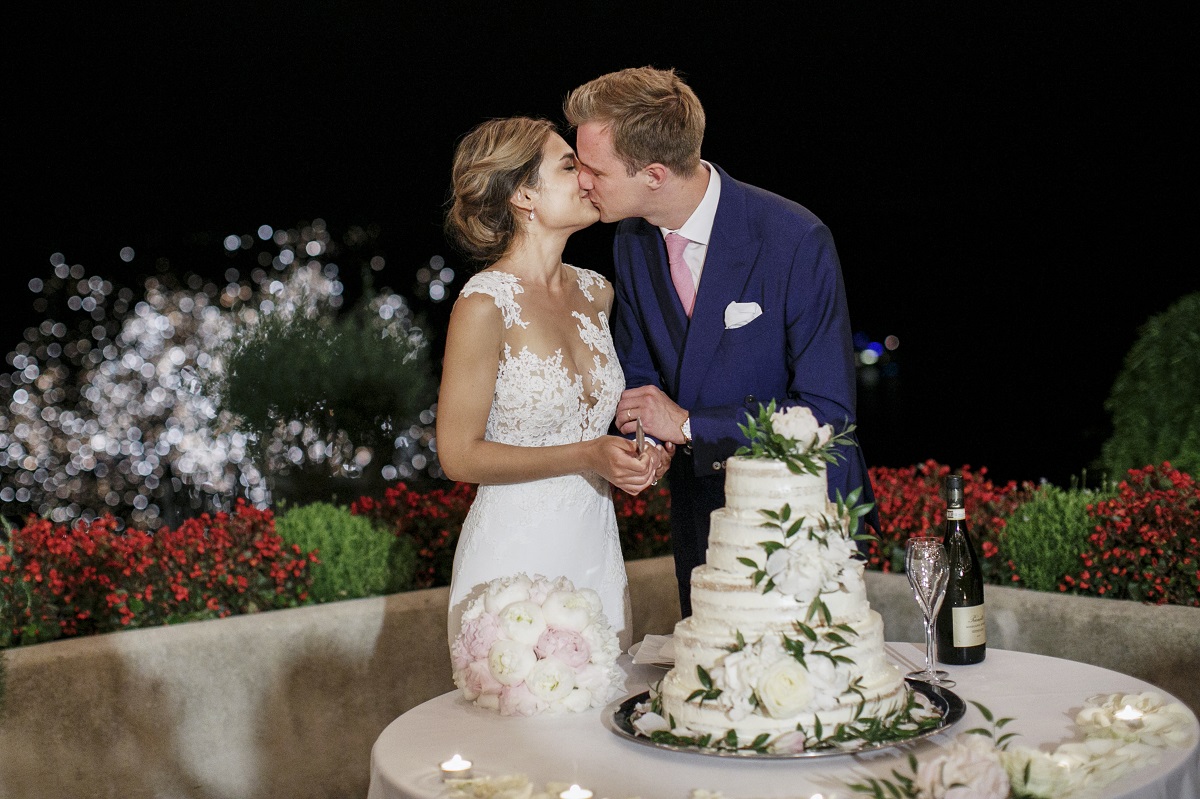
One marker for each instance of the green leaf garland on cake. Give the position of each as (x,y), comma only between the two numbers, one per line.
(795,437)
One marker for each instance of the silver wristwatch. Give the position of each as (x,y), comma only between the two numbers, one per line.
(686,428)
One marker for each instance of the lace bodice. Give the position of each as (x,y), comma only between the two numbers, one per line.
(539,400)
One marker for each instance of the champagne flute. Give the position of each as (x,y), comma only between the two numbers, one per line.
(928,571)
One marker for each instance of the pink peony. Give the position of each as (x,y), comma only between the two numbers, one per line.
(518,700)
(476,680)
(566,645)
(474,640)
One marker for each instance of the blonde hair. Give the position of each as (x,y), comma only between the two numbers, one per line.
(653,115)
(492,161)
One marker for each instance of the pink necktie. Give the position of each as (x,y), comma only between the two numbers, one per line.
(681,276)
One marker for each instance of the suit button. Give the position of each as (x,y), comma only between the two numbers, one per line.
(749,399)
(716,466)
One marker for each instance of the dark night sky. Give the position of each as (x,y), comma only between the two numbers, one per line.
(1005,186)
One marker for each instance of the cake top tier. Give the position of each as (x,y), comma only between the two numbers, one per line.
(794,436)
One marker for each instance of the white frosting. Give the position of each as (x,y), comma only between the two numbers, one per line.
(740,617)
(754,484)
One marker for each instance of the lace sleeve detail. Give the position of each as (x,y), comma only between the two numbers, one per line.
(501,287)
(587,278)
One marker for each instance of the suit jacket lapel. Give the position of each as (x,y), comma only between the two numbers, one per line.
(731,253)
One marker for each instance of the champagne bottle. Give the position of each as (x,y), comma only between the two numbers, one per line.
(961,622)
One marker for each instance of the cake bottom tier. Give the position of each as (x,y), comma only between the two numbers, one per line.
(760,689)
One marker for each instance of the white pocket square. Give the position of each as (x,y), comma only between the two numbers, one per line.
(740,314)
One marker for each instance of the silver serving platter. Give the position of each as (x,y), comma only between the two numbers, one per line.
(618,717)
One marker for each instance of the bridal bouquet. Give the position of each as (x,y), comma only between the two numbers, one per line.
(536,645)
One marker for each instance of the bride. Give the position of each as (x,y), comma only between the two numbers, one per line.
(530,378)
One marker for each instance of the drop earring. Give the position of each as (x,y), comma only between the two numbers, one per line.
(530,214)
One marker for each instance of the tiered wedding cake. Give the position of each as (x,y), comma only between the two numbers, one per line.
(782,646)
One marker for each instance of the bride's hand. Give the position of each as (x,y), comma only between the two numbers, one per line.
(616,460)
(663,460)
(661,456)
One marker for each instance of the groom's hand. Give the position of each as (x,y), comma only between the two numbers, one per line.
(661,417)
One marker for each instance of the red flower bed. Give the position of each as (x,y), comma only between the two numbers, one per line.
(93,578)
(910,503)
(1146,544)
(644,522)
(432,518)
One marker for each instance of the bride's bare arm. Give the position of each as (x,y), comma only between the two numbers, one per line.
(473,347)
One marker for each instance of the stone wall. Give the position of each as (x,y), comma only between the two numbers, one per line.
(288,703)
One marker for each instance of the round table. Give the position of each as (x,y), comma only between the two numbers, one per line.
(1040,693)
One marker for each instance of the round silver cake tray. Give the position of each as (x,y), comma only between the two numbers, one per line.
(618,717)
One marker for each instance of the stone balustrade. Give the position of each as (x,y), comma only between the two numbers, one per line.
(288,703)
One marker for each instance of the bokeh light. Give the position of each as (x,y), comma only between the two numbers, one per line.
(105,398)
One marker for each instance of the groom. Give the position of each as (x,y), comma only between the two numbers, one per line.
(728,296)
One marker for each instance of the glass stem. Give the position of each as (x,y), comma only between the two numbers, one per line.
(930,649)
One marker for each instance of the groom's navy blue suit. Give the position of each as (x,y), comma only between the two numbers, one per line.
(767,250)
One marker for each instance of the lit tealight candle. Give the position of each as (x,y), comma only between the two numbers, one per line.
(1128,713)
(575,792)
(456,768)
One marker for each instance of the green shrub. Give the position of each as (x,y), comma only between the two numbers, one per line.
(1155,413)
(1044,538)
(357,558)
(336,387)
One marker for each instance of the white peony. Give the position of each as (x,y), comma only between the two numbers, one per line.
(544,586)
(603,642)
(801,570)
(523,621)
(828,681)
(970,769)
(799,424)
(567,610)
(737,676)
(783,689)
(510,661)
(593,599)
(550,679)
(504,591)
(578,700)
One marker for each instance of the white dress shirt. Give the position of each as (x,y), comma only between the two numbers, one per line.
(698,227)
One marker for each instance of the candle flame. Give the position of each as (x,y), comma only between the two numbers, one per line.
(1128,713)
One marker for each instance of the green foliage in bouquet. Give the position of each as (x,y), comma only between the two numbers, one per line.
(356,558)
(355,374)
(801,457)
(1153,402)
(1043,538)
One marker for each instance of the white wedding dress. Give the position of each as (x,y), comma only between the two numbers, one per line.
(559,526)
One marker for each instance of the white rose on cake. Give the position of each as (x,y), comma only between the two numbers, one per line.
(799,424)
(784,689)
(536,645)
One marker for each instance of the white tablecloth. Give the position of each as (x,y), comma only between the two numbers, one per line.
(1040,693)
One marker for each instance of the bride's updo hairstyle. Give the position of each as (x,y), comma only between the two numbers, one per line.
(492,161)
